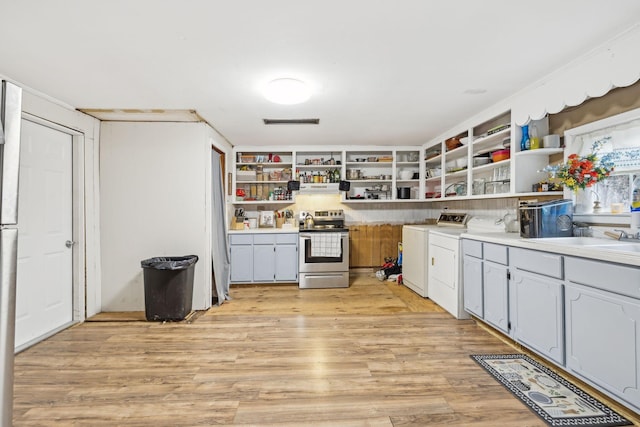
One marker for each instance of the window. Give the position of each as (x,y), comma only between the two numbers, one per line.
(620,143)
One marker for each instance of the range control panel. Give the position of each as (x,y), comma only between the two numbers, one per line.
(453,219)
(336,214)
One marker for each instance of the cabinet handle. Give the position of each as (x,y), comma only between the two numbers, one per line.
(433,261)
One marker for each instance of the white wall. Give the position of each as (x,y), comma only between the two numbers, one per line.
(154,202)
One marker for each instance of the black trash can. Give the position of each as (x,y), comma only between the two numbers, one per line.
(168,287)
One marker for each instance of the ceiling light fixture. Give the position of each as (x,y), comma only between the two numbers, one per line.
(287,91)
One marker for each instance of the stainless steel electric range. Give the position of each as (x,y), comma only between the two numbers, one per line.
(323,250)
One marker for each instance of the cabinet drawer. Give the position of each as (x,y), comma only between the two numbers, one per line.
(496,253)
(240,239)
(289,238)
(538,262)
(616,278)
(264,239)
(472,248)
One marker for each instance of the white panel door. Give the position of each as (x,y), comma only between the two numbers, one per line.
(44,290)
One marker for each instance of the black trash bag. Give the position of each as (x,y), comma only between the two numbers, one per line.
(170,263)
(168,287)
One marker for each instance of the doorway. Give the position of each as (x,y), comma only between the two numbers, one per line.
(44,290)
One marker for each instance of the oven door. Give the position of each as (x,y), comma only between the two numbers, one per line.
(316,264)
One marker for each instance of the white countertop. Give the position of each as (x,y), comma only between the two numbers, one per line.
(270,230)
(548,245)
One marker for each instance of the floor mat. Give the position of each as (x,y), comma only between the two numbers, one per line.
(554,399)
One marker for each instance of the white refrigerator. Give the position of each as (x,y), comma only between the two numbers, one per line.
(10,120)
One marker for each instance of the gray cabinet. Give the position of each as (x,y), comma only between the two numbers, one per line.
(264,269)
(602,334)
(536,302)
(241,257)
(486,284)
(264,258)
(472,279)
(496,295)
(582,314)
(496,285)
(286,258)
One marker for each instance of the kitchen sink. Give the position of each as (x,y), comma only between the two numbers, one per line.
(625,247)
(576,241)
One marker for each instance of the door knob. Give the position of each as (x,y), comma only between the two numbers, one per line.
(69,243)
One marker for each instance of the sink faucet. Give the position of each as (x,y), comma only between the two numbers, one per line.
(628,236)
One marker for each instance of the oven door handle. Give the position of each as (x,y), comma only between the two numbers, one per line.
(308,235)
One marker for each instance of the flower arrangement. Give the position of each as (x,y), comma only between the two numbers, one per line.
(580,172)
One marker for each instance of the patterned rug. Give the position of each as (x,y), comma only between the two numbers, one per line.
(551,397)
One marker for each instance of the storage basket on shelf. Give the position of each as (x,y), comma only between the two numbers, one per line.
(246,175)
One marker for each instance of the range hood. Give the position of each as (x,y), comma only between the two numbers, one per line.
(320,188)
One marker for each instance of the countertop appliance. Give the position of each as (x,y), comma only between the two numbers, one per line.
(415,243)
(547,219)
(10,120)
(323,250)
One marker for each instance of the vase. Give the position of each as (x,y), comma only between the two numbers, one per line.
(582,201)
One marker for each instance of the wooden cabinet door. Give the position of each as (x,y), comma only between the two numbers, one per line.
(355,246)
(389,235)
(370,244)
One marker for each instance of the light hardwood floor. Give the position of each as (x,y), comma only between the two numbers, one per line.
(374,354)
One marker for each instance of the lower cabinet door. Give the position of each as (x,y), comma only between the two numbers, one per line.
(241,257)
(603,340)
(496,295)
(264,269)
(286,263)
(472,282)
(538,313)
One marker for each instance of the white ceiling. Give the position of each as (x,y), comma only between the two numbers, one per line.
(386,72)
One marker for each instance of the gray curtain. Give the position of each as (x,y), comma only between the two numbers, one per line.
(220,249)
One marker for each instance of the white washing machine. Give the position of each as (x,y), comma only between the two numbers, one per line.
(415,246)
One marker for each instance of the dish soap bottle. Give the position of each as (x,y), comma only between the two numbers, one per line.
(524,142)
(534,141)
(635,206)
